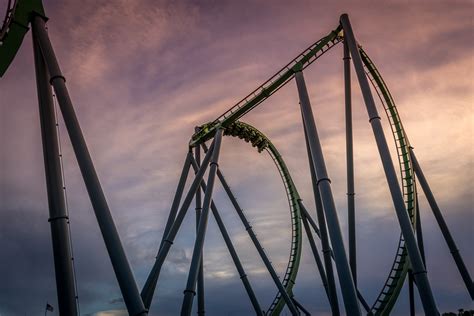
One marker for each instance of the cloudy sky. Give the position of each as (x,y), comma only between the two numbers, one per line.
(142,74)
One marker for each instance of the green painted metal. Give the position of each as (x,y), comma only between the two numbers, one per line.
(14,28)
(264,91)
(396,278)
(255,137)
(16,24)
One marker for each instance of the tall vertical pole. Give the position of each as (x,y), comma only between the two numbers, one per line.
(324,184)
(200,282)
(442,225)
(120,263)
(189,292)
(58,214)
(326,248)
(350,164)
(150,284)
(419,271)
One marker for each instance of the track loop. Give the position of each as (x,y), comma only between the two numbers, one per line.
(251,135)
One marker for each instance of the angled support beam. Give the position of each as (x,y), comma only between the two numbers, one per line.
(326,248)
(304,213)
(232,251)
(289,302)
(442,225)
(314,249)
(324,184)
(58,214)
(177,197)
(419,233)
(300,307)
(200,283)
(350,164)
(123,272)
(419,270)
(237,263)
(169,222)
(190,290)
(150,284)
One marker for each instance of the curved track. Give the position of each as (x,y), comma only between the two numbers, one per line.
(269,87)
(391,289)
(397,274)
(261,142)
(15,27)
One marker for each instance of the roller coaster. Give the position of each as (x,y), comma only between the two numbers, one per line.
(408,264)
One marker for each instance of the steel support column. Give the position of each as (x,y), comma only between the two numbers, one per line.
(419,271)
(304,212)
(419,233)
(442,225)
(189,292)
(301,307)
(58,213)
(177,197)
(150,285)
(326,248)
(289,302)
(314,249)
(237,263)
(350,163)
(200,282)
(123,272)
(147,291)
(324,184)
(232,251)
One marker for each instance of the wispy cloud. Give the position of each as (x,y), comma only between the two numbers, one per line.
(143,73)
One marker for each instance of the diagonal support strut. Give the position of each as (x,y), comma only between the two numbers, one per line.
(257,244)
(189,292)
(419,270)
(233,252)
(324,185)
(442,225)
(122,269)
(150,285)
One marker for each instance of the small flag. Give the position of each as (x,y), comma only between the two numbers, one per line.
(49,307)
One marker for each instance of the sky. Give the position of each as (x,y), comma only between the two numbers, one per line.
(142,74)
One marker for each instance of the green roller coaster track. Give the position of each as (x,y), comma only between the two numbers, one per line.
(391,289)
(261,142)
(15,27)
(396,277)
(16,24)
